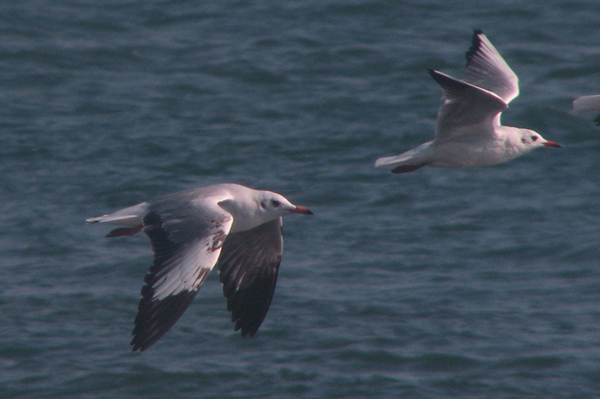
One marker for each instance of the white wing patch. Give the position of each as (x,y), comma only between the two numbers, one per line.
(187,268)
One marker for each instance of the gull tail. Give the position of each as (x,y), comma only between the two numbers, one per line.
(132,216)
(408,161)
(395,160)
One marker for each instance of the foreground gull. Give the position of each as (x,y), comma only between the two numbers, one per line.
(588,103)
(468,132)
(236,228)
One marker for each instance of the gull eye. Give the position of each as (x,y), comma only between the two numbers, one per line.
(263,204)
(275,203)
(534,138)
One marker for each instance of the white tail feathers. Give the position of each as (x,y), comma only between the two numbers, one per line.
(131,217)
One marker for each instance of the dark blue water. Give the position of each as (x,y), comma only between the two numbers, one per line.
(476,283)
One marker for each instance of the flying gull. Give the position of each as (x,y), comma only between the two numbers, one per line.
(234,227)
(468,132)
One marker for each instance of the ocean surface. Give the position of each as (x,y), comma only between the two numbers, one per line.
(479,283)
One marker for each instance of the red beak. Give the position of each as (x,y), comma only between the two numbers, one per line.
(552,144)
(302,210)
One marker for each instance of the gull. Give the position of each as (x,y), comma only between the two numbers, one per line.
(468,132)
(588,103)
(230,226)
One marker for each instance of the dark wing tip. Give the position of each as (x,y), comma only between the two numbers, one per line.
(249,297)
(446,81)
(247,329)
(597,120)
(439,77)
(475,44)
(156,317)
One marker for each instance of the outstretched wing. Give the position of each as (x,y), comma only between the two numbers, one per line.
(487,69)
(478,99)
(465,105)
(248,269)
(187,236)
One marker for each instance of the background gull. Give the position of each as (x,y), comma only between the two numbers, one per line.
(588,103)
(468,133)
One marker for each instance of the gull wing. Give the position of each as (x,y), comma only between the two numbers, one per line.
(248,269)
(487,69)
(187,231)
(465,105)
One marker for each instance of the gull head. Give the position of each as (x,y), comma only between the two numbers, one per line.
(272,205)
(251,208)
(531,140)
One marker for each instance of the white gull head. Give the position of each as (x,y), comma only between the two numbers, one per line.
(251,208)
